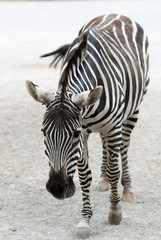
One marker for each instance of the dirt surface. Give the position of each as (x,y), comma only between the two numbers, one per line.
(27,210)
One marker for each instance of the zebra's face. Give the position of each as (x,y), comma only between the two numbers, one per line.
(63,141)
(62,128)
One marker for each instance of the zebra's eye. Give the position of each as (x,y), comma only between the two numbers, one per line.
(76,134)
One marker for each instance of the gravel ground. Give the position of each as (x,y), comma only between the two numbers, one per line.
(27,210)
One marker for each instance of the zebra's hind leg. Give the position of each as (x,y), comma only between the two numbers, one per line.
(83,229)
(103,184)
(128,126)
(113,173)
(113,143)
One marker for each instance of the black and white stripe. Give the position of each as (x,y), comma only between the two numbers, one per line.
(111,51)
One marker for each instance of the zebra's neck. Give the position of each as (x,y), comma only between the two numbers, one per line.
(71,79)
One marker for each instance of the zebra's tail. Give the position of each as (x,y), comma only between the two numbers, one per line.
(58,54)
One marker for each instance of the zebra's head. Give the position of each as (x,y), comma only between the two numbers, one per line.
(63,138)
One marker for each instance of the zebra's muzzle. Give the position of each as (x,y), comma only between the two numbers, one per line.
(60,186)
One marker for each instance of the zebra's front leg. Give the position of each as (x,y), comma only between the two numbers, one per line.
(85,178)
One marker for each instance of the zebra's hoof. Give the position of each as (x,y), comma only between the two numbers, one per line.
(128,195)
(115,215)
(83,230)
(103,185)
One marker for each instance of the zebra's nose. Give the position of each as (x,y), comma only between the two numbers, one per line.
(58,190)
(59,185)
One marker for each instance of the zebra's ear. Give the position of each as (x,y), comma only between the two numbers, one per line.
(40,94)
(87,98)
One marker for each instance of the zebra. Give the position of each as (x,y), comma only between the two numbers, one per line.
(104,77)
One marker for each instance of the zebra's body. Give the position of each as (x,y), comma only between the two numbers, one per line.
(110,56)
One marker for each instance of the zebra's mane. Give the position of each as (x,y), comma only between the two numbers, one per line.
(74,51)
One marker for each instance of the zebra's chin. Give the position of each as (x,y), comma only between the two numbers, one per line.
(59,186)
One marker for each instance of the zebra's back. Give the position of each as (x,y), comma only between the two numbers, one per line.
(121,47)
(111,51)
